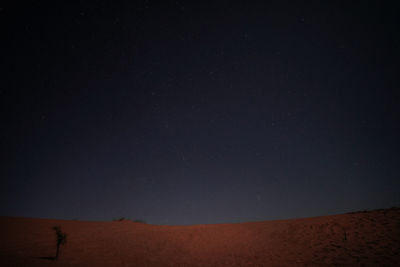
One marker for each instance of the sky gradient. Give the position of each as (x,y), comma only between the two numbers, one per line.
(189,113)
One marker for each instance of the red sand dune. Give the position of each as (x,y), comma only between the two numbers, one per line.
(357,239)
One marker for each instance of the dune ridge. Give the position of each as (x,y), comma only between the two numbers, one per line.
(370,238)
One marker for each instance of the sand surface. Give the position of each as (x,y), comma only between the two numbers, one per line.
(357,239)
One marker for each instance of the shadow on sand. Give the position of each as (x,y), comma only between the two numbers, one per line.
(45,258)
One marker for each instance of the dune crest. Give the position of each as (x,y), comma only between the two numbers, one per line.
(369,238)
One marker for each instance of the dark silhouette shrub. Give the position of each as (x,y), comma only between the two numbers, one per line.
(61,239)
(124,219)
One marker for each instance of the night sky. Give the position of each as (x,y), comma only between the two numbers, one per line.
(176,112)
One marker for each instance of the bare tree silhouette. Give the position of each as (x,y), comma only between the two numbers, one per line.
(61,239)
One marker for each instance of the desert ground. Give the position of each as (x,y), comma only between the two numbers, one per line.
(367,238)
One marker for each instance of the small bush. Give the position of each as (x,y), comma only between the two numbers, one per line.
(122,219)
(61,239)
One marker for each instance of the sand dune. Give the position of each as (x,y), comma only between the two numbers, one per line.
(356,239)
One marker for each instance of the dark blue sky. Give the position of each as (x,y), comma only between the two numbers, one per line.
(186,113)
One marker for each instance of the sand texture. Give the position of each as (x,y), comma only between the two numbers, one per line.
(355,239)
